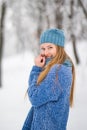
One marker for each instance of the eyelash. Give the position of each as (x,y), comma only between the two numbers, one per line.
(44,48)
(49,47)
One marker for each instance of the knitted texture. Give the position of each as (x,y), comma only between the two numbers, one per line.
(55,36)
(49,99)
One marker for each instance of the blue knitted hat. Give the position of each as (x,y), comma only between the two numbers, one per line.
(55,36)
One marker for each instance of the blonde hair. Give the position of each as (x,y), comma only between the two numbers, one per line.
(59,59)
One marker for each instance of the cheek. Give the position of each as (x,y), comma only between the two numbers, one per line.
(42,52)
(54,52)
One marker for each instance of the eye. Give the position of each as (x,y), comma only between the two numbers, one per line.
(50,47)
(42,49)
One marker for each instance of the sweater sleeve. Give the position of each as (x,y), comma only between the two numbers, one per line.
(48,90)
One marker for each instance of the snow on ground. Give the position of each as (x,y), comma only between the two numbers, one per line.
(14,106)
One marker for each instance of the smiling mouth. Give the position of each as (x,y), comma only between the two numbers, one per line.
(48,57)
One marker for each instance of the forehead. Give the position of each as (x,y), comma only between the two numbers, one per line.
(47,45)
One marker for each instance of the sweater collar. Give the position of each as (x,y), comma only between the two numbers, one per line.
(48,60)
(67,63)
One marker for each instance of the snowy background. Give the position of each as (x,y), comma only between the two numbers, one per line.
(14,106)
(22,25)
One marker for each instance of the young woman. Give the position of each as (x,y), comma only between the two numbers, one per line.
(51,84)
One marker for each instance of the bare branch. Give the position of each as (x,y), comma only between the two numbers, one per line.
(84,10)
(3,11)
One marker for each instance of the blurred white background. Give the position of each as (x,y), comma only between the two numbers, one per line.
(20,27)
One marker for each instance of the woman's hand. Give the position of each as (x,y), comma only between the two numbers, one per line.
(40,61)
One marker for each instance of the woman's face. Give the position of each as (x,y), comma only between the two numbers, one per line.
(48,50)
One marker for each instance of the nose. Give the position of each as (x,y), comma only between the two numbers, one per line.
(46,52)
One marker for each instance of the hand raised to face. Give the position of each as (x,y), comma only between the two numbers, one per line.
(40,61)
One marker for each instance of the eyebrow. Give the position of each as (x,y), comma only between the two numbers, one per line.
(47,46)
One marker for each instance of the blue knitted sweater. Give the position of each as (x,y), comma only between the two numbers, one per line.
(49,99)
